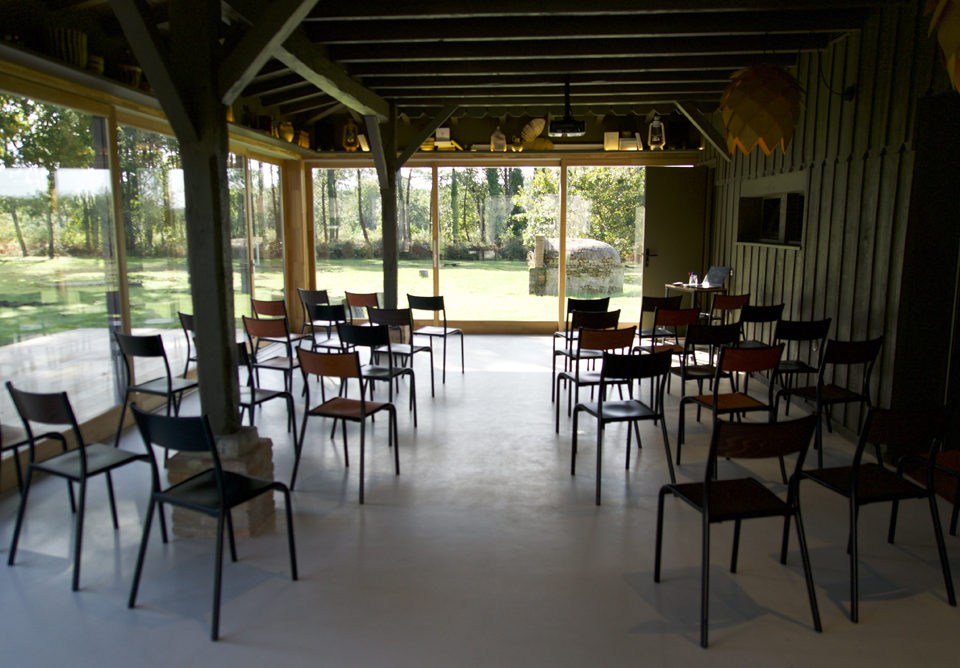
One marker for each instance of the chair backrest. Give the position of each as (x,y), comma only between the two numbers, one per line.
(264,329)
(135,345)
(760,314)
(759,440)
(187,323)
(914,432)
(594,320)
(606,339)
(748,360)
(595,305)
(711,335)
(392,317)
(311,297)
(729,302)
(635,366)
(651,304)
(673,318)
(850,354)
(434,304)
(329,312)
(183,434)
(333,365)
(366,336)
(802,330)
(50,409)
(269,308)
(360,300)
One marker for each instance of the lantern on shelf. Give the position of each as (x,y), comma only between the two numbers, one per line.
(946,21)
(656,134)
(761,107)
(351,136)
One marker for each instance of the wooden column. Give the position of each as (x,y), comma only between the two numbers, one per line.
(383,145)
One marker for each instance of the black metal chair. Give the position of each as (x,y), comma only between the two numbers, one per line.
(313,298)
(274,331)
(744,498)
(76,466)
(614,370)
(863,483)
(251,395)
(762,322)
(650,305)
(377,337)
(436,305)
(188,324)
(172,388)
(213,492)
(400,320)
(576,353)
(811,334)
(329,317)
(343,366)
(568,334)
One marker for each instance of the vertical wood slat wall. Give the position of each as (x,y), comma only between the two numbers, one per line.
(857,159)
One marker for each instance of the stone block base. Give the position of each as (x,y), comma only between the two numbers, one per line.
(244,452)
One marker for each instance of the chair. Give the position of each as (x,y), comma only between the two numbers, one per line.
(330,315)
(591,344)
(12,439)
(650,305)
(252,396)
(400,319)
(863,483)
(569,334)
(723,308)
(316,298)
(361,301)
(275,331)
(377,337)
(76,466)
(345,365)
(274,309)
(838,355)
(435,304)
(580,320)
(149,346)
(614,370)
(667,322)
(744,498)
(759,317)
(213,492)
(188,324)
(708,337)
(811,332)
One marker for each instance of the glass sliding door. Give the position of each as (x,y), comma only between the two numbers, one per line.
(604,249)
(239,237)
(415,234)
(58,284)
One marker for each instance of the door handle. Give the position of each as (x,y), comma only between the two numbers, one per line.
(646,257)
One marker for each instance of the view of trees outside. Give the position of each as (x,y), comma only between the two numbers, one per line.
(57,252)
(266,219)
(489,218)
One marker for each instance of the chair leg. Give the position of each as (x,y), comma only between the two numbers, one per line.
(362,439)
(659,540)
(854,552)
(705,582)
(807,570)
(463,365)
(894,511)
(298,448)
(630,428)
(393,439)
(941,548)
(290,539)
(123,411)
(573,448)
(599,456)
(113,502)
(666,448)
(413,397)
(736,546)
(163,523)
(217,578)
(433,392)
(23,506)
(141,553)
(343,432)
(78,538)
(233,543)
(956,513)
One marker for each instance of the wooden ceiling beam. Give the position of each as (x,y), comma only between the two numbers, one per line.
(273,84)
(440,50)
(550,26)
(274,23)
(382,84)
(556,101)
(425,132)
(576,93)
(705,128)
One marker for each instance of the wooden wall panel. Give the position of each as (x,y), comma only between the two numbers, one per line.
(857,158)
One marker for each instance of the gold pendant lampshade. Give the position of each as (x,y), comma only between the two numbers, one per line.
(761,107)
(946,21)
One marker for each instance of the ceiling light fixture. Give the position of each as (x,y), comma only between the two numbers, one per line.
(567,126)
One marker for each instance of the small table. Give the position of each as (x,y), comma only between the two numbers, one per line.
(694,290)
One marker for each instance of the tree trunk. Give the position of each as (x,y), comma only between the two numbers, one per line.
(454,207)
(363,228)
(332,197)
(406,207)
(16,228)
(52,191)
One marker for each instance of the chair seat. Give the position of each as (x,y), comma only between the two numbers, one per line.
(159,386)
(616,411)
(730,402)
(740,498)
(664,347)
(347,408)
(200,491)
(376,372)
(281,363)
(430,330)
(584,354)
(100,458)
(752,345)
(402,349)
(795,366)
(696,371)
(873,483)
(650,333)
(253,396)
(831,394)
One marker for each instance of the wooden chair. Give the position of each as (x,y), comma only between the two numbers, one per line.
(724,307)
(442,331)
(650,305)
(252,395)
(344,366)
(738,499)
(212,492)
(863,483)
(701,340)
(377,337)
(275,331)
(569,334)
(359,301)
(614,370)
(53,410)
(275,309)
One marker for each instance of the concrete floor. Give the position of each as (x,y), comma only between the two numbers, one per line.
(485,551)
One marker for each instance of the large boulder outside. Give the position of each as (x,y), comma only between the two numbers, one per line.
(593,268)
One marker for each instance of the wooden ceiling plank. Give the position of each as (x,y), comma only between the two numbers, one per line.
(153,58)
(268,31)
(273,84)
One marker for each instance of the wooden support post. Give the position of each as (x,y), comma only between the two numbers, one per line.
(383,146)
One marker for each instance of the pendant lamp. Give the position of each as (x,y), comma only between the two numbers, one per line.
(761,107)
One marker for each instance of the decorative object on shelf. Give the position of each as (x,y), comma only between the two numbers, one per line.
(656,133)
(95,64)
(611,141)
(130,75)
(946,21)
(303,139)
(229,114)
(286,131)
(498,141)
(761,107)
(351,136)
(68,45)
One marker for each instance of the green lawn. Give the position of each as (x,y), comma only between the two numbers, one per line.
(41,296)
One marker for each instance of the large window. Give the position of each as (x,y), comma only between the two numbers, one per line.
(266,222)
(414,234)
(58,288)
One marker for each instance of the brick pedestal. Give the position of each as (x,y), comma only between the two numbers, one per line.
(243,452)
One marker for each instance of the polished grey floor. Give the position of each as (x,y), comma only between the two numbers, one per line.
(485,551)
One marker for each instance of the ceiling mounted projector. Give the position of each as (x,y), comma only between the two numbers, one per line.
(567,126)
